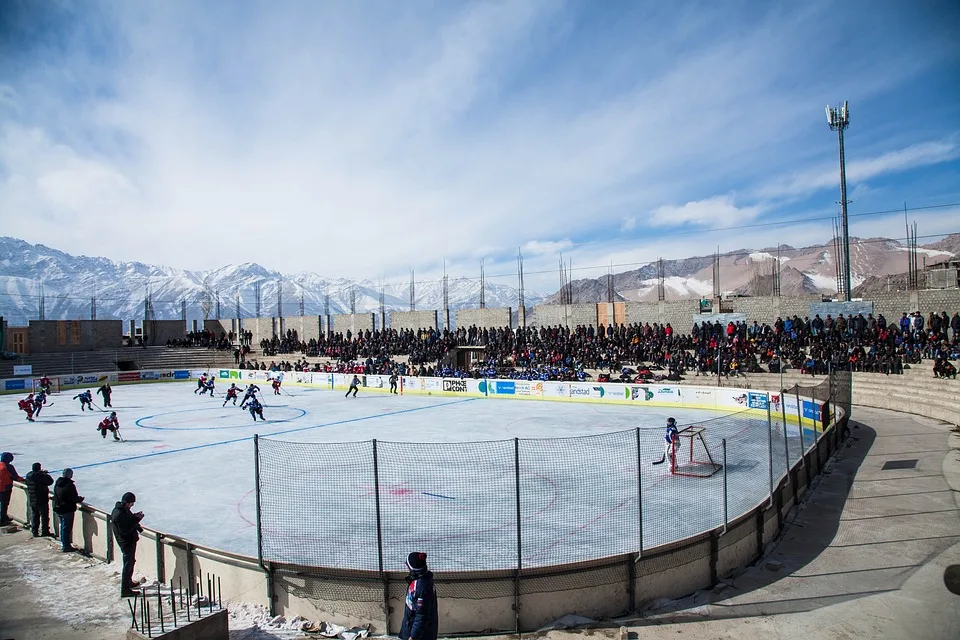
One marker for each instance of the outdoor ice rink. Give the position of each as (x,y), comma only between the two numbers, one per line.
(191,463)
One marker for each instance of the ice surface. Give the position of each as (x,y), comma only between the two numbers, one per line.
(191,463)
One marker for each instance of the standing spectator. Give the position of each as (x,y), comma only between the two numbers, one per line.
(38,491)
(8,473)
(126,528)
(420,618)
(65,502)
(106,390)
(955,325)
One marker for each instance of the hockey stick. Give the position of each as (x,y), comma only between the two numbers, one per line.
(661,460)
(120,435)
(94,404)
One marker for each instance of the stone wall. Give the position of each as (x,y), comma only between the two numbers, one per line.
(568,315)
(501,317)
(353,322)
(57,336)
(261,328)
(223,325)
(413,320)
(307,327)
(157,332)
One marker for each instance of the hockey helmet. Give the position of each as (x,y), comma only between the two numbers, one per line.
(671,422)
(113,414)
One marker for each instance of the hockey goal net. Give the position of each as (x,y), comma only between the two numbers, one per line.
(691,456)
(54,385)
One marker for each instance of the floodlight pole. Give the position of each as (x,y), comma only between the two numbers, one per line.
(839,119)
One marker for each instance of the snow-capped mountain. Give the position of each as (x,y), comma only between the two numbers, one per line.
(71,283)
(803,271)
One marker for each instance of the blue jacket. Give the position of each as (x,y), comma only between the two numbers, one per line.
(420,620)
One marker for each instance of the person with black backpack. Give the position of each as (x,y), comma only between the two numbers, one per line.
(65,502)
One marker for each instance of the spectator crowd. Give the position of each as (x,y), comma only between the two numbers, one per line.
(639,351)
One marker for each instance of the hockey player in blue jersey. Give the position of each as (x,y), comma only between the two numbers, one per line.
(208,385)
(256,409)
(671,441)
(86,400)
(39,399)
(249,394)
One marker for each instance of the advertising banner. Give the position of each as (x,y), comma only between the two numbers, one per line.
(181,375)
(151,375)
(23,369)
(586,391)
(455,386)
(757,401)
(246,375)
(412,385)
(12,385)
(667,394)
(127,376)
(638,393)
(376,382)
(700,397)
(224,374)
(556,389)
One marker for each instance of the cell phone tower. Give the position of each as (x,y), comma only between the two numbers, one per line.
(838,119)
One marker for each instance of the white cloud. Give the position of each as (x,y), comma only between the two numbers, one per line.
(715,211)
(539,247)
(913,156)
(629,223)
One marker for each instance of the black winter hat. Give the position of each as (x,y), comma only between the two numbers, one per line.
(128,497)
(37,466)
(417,560)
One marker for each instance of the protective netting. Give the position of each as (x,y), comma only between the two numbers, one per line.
(523,503)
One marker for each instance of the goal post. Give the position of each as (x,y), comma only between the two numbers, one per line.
(54,384)
(690,456)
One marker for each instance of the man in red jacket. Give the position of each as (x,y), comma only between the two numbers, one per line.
(7,476)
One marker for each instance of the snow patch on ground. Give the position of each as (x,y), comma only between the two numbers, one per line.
(79,591)
(826,283)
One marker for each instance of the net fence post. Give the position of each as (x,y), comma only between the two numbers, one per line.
(770,446)
(516,582)
(726,512)
(256,475)
(783,407)
(786,443)
(383,576)
(639,491)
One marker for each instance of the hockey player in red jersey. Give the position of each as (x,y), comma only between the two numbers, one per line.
(26,404)
(276,386)
(232,394)
(44,384)
(110,423)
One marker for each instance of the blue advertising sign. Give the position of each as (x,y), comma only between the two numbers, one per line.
(181,375)
(12,385)
(757,400)
(508,387)
(810,410)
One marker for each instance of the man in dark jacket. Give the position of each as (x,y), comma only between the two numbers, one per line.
(38,492)
(420,619)
(126,528)
(8,475)
(65,501)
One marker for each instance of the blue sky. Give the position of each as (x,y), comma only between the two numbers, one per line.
(365,139)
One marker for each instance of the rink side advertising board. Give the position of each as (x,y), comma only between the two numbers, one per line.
(747,401)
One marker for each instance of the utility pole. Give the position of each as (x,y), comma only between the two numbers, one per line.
(839,119)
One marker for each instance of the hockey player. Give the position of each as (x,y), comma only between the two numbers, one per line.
(671,441)
(393,383)
(232,394)
(110,423)
(208,385)
(44,383)
(26,405)
(354,386)
(106,391)
(39,399)
(250,393)
(276,384)
(256,409)
(201,383)
(86,400)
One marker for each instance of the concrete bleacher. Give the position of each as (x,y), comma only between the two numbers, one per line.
(915,391)
(125,359)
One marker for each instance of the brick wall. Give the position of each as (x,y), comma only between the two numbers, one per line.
(501,317)
(159,331)
(413,319)
(569,315)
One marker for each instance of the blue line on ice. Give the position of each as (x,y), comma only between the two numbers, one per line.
(275,433)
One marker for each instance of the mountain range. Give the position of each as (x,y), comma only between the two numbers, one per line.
(71,284)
